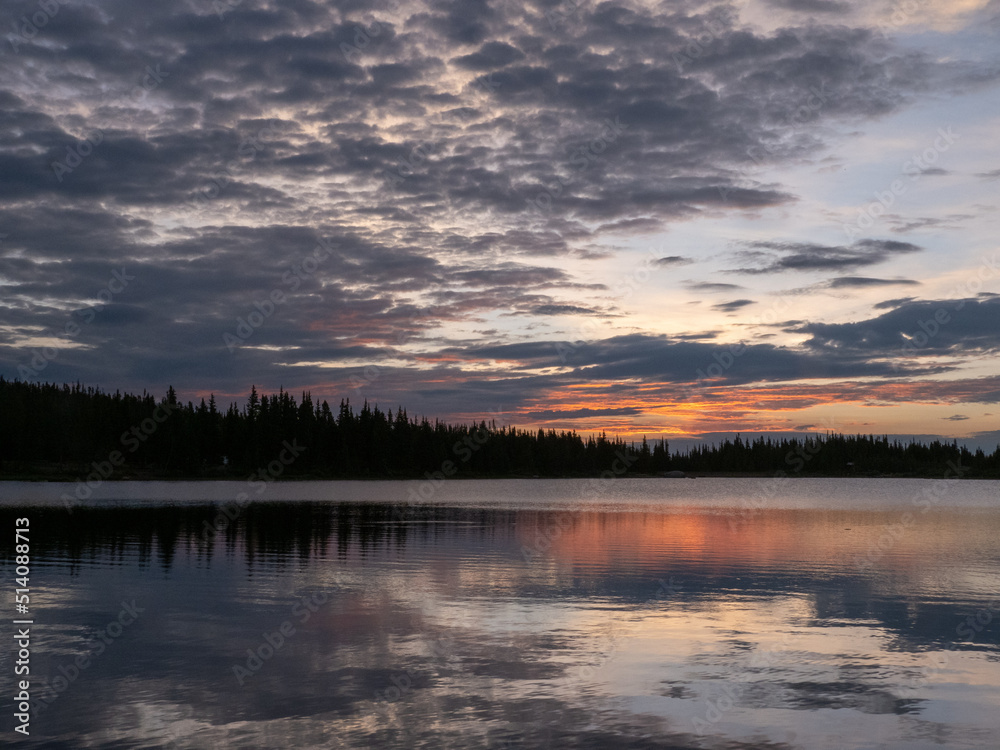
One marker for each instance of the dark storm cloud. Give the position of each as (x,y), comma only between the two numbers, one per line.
(437,145)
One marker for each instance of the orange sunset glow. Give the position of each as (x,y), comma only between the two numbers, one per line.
(545,224)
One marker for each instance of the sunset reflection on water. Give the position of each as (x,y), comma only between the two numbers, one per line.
(490,623)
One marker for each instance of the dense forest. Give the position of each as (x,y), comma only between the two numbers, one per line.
(48,430)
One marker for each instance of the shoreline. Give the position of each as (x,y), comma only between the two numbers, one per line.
(78,477)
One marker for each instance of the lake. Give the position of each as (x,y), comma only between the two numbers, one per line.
(623,613)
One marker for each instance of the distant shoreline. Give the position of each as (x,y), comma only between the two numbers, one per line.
(80,477)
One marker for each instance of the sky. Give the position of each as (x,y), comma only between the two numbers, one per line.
(678,219)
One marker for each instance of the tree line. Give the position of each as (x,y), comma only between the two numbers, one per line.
(53,429)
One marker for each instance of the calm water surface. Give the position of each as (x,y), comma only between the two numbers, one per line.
(714,613)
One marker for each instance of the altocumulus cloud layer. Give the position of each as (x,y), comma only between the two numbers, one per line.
(395,200)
